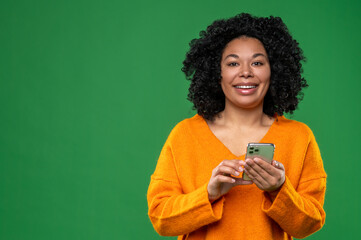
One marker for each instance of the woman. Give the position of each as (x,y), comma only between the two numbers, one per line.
(245,74)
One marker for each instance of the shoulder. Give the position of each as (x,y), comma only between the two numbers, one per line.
(293,127)
(186,127)
(189,122)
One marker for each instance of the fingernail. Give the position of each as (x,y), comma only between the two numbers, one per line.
(240,169)
(236,173)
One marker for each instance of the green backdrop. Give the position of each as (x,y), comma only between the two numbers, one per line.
(89,91)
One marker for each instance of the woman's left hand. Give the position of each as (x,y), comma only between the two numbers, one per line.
(266,176)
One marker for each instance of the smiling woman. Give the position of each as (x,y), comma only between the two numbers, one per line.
(245,74)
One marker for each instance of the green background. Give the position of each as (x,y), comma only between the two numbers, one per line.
(89,91)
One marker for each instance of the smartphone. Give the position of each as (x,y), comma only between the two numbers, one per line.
(261,150)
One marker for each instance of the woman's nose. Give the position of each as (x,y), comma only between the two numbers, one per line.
(245,71)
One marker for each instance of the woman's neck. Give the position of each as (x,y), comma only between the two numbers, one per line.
(243,118)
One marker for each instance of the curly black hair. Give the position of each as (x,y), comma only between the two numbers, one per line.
(202,64)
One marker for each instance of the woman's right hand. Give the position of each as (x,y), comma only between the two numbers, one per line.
(221,180)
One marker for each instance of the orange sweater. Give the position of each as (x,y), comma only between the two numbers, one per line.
(178,199)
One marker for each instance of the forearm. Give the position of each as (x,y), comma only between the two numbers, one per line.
(298,213)
(173,213)
(273,194)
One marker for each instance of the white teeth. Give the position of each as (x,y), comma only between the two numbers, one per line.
(245,87)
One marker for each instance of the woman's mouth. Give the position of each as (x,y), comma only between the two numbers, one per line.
(246,89)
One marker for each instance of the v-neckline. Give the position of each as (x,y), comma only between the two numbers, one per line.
(210,134)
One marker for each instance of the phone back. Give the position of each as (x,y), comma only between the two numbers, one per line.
(261,150)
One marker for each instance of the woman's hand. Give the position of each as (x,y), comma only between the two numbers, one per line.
(267,177)
(221,180)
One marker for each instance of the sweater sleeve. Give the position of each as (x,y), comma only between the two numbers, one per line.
(299,211)
(173,212)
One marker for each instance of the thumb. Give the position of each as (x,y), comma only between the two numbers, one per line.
(278,165)
(241,181)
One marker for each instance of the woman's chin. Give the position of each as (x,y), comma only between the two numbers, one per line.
(246,105)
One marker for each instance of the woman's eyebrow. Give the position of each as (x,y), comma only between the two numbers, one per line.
(254,55)
(231,55)
(259,54)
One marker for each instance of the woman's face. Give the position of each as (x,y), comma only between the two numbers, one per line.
(245,72)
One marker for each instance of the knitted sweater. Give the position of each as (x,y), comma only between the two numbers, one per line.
(178,198)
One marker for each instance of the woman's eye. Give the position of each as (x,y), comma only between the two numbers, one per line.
(257,63)
(232,64)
